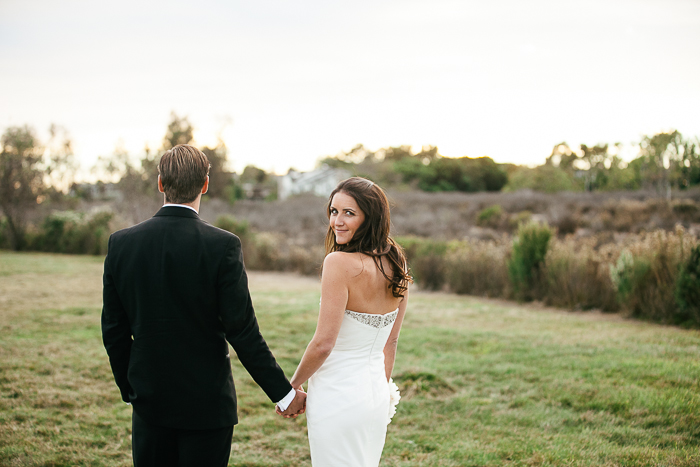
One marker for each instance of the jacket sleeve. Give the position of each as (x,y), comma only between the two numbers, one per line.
(241,326)
(116,330)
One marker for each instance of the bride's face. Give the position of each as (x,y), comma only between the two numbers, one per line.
(346,217)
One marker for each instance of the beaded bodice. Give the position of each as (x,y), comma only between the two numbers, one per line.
(376,321)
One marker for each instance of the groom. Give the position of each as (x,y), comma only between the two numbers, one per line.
(174,292)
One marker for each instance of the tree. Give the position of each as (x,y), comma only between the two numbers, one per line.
(180,131)
(660,154)
(252,174)
(546,178)
(436,173)
(61,167)
(21,179)
(220,179)
(689,167)
(562,156)
(397,153)
(596,159)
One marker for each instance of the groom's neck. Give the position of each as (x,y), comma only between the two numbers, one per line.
(194,204)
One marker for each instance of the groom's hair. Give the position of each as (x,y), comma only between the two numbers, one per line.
(183,171)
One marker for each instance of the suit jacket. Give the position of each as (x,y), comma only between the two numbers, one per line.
(174,292)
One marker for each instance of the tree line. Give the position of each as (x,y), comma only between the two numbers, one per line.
(32,173)
(665,161)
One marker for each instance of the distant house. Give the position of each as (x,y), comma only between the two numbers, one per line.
(320,182)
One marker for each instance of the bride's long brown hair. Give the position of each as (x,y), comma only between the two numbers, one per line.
(372,238)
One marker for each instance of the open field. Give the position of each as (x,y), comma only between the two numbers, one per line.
(485,382)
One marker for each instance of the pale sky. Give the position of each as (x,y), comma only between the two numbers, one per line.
(286,83)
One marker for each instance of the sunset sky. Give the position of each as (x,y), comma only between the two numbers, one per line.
(285,83)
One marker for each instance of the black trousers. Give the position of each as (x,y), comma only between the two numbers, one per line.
(157,446)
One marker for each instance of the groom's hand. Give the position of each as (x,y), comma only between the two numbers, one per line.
(298,405)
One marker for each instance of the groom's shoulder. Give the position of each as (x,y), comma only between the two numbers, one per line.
(125,232)
(219,234)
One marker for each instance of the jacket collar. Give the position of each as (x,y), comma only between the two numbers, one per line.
(176,211)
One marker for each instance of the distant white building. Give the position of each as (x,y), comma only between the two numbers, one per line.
(321,182)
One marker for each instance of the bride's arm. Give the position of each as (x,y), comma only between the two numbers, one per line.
(393,341)
(334,298)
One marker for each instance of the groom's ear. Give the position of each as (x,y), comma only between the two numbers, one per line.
(160,184)
(205,188)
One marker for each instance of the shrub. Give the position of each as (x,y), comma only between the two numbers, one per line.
(490,216)
(242,230)
(479,268)
(527,258)
(230,224)
(522,217)
(685,207)
(4,234)
(567,224)
(266,253)
(577,276)
(306,261)
(73,232)
(545,178)
(645,275)
(688,289)
(426,258)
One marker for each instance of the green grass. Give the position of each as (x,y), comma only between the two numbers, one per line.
(484,382)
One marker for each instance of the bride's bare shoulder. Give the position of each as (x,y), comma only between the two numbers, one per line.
(343,263)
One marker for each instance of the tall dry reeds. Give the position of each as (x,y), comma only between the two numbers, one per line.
(268,251)
(577,275)
(478,267)
(639,274)
(646,272)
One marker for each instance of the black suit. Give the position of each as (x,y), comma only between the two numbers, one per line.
(179,287)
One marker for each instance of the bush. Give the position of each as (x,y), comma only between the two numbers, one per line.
(73,232)
(490,216)
(242,230)
(646,274)
(267,251)
(527,258)
(522,217)
(479,268)
(544,178)
(688,289)
(267,254)
(230,224)
(426,258)
(577,276)
(306,261)
(452,174)
(4,234)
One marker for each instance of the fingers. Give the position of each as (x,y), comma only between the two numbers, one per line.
(298,405)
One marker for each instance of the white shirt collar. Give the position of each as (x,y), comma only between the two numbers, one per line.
(180,206)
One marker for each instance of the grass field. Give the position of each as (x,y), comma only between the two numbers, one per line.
(485,382)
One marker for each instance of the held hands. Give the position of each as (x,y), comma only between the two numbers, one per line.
(297,406)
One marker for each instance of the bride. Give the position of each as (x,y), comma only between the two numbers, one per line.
(348,363)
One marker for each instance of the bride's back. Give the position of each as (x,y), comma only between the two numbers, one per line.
(368,290)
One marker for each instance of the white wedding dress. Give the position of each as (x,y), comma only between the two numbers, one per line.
(347,409)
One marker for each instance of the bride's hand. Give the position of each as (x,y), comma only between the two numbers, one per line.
(296,407)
